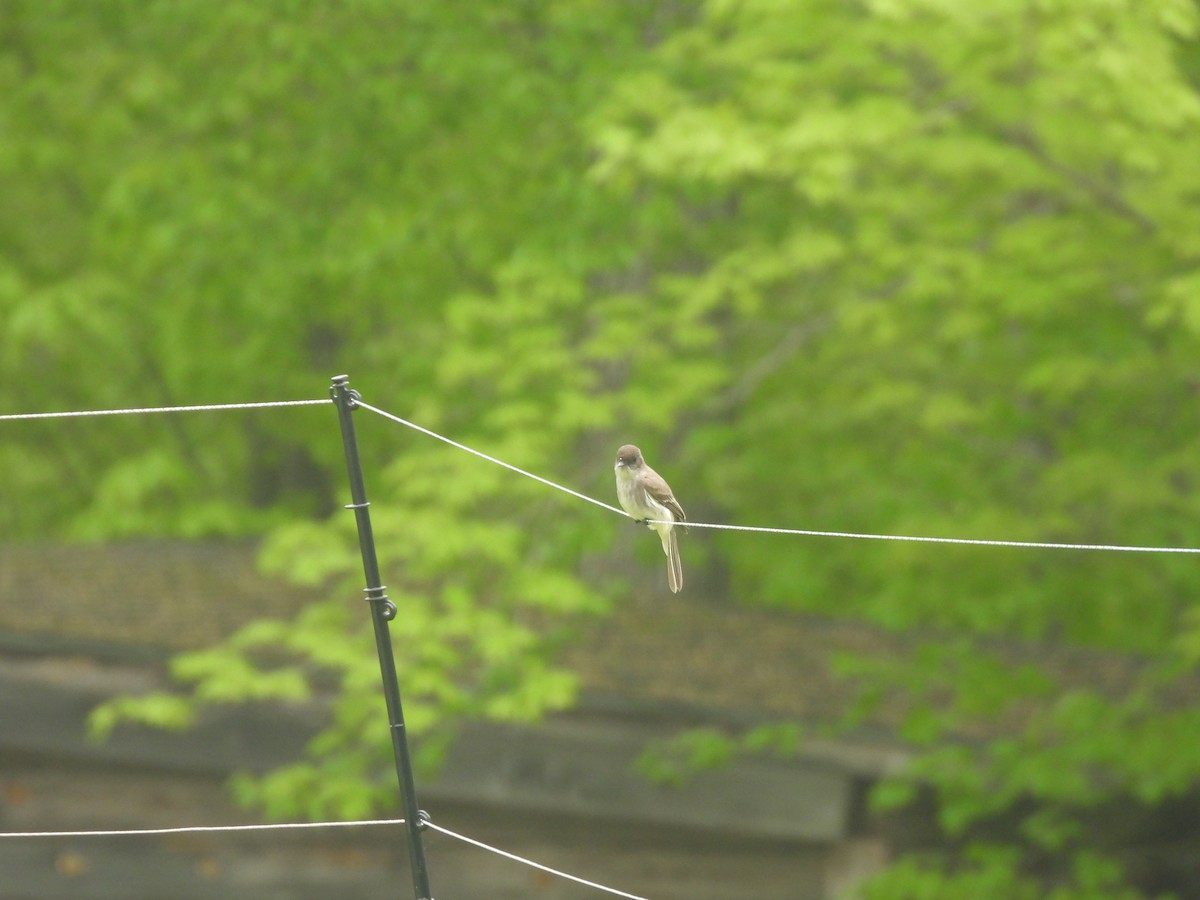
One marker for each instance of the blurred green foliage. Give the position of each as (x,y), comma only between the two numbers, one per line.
(900,266)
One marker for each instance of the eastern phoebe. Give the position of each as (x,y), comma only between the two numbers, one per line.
(644,495)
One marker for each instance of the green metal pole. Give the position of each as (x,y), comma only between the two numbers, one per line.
(382,611)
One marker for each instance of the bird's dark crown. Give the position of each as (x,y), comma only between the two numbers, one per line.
(629,455)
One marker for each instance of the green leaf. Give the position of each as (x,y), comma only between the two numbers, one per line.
(158,710)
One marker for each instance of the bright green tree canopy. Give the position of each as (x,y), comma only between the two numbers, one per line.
(901,266)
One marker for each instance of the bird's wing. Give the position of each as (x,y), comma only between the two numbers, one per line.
(658,488)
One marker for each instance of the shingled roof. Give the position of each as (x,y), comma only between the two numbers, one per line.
(682,654)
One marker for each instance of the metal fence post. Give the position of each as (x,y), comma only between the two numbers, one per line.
(382,611)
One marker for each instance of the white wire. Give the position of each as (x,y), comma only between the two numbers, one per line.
(528,862)
(979,542)
(197,828)
(159,409)
(279,826)
(491,459)
(1043,545)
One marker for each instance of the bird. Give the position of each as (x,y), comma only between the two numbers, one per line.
(648,499)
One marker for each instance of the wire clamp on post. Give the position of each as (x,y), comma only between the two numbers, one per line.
(424,820)
(379,595)
(340,383)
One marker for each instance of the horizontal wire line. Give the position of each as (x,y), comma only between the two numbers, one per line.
(281,826)
(275,826)
(804,532)
(528,862)
(984,542)
(145,410)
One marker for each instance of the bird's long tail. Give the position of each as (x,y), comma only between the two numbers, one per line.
(674,565)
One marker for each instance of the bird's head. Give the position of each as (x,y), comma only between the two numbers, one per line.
(629,457)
